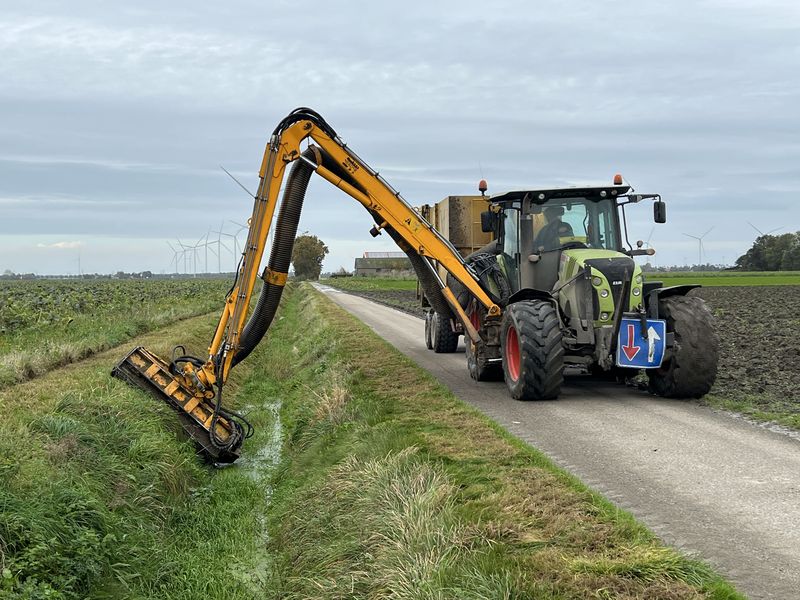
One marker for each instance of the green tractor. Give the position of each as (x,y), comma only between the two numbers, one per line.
(562,268)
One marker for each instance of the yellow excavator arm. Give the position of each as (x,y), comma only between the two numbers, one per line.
(188,383)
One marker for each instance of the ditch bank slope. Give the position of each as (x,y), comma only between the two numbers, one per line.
(101,495)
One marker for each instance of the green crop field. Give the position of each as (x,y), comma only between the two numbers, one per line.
(726,278)
(46,323)
(371,284)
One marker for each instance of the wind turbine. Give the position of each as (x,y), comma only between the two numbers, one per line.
(174,257)
(699,244)
(220,233)
(185,256)
(204,239)
(238,231)
(646,243)
(761,232)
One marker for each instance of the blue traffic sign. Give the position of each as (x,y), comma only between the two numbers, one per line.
(641,351)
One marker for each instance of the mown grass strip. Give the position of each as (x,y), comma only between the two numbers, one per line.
(391,487)
(101,495)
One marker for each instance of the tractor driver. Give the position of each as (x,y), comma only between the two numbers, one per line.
(549,237)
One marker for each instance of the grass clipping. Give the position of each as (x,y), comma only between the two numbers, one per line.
(392,488)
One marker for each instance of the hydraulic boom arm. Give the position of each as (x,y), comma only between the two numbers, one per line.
(187,383)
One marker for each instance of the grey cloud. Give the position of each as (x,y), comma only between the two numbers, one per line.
(124,112)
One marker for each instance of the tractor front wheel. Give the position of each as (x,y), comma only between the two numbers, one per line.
(533,354)
(690,366)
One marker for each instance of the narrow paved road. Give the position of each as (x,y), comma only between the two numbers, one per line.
(709,484)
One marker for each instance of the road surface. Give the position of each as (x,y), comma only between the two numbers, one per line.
(714,486)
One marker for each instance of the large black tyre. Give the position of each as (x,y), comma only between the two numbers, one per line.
(479,366)
(428,321)
(690,366)
(443,338)
(533,355)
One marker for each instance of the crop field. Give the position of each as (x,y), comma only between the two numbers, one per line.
(728,278)
(46,323)
(757,317)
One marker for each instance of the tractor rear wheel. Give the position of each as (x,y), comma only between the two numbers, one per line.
(690,366)
(443,338)
(533,355)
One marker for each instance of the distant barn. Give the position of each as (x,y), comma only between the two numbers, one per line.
(384,264)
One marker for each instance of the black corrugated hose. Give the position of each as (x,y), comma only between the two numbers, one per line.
(281,255)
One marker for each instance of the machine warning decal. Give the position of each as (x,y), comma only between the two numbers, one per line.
(351,165)
(641,351)
(413,224)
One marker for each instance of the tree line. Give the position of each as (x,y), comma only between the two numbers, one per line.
(772,253)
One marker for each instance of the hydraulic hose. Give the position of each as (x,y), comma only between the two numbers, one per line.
(426,279)
(281,255)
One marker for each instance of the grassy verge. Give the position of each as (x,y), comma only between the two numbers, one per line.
(101,496)
(391,487)
(49,324)
(727,278)
(758,408)
(371,284)
(399,293)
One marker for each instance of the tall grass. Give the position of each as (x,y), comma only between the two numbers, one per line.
(102,495)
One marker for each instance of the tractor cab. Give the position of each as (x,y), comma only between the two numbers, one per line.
(533,228)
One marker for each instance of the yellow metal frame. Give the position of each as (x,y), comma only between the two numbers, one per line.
(377,196)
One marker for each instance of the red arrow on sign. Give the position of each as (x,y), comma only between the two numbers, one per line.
(630,350)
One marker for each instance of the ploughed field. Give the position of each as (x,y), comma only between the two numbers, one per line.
(759,331)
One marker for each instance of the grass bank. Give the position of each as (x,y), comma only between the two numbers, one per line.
(46,324)
(101,495)
(392,488)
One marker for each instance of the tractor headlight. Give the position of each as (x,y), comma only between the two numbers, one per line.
(604,293)
(636,291)
(604,316)
(638,279)
(596,281)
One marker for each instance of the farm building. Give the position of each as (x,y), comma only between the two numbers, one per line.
(383,264)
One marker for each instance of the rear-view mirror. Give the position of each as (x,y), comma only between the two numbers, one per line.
(659,212)
(488,221)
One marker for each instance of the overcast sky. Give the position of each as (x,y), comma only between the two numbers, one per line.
(115,117)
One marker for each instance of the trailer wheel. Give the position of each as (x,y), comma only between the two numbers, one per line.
(533,355)
(443,338)
(479,366)
(428,320)
(690,366)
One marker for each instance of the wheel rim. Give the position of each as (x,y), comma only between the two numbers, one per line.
(512,353)
(475,319)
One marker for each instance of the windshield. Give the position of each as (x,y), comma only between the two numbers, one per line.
(575,221)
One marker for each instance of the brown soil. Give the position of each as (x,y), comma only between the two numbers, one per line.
(759,330)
